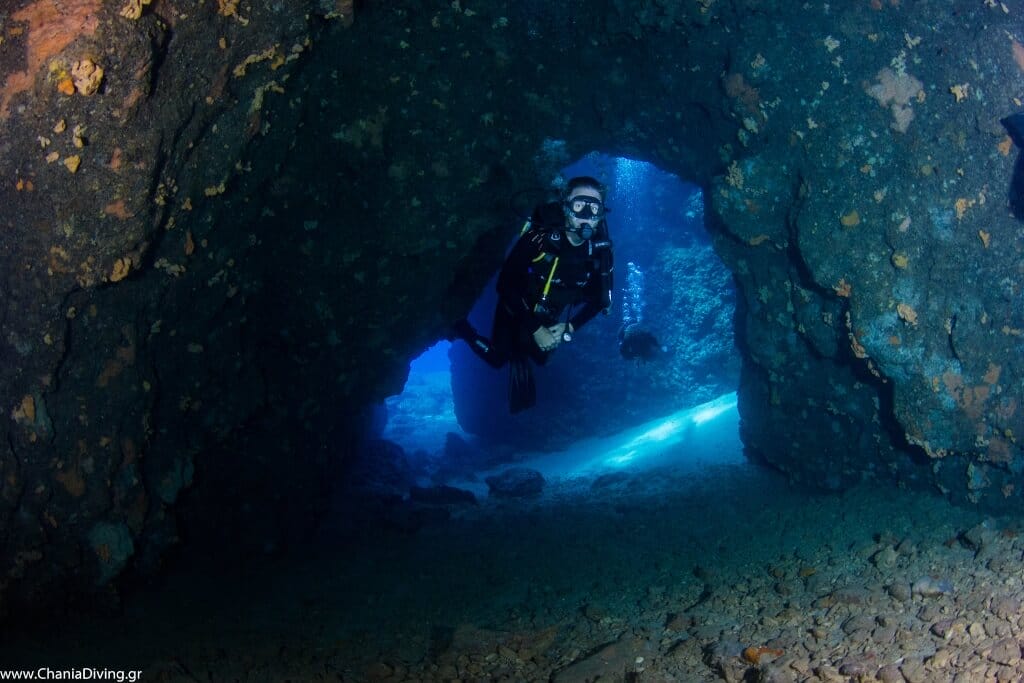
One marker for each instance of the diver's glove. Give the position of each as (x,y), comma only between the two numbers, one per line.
(545,340)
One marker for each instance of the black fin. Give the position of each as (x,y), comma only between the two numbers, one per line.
(522,391)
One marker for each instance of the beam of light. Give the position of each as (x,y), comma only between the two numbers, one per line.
(656,439)
(712,410)
(621,460)
(662,434)
(662,431)
(675,439)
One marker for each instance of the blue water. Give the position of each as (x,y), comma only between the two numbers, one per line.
(434,359)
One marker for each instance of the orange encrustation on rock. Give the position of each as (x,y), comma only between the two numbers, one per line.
(51,28)
(753,654)
(66,86)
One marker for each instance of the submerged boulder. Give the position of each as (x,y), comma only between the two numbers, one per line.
(516,482)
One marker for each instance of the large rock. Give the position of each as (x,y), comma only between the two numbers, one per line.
(516,482)
(862,228)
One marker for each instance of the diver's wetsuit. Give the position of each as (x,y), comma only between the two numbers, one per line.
(522,306)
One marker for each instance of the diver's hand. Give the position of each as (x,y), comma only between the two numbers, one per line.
(557,330)
(544,339)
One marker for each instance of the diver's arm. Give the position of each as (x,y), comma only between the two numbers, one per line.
(585,314)
(513,281)
(595,297)
(593,303)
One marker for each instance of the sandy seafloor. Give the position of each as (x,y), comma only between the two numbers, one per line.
(696,566)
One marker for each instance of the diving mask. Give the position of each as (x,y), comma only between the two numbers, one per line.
(585,208)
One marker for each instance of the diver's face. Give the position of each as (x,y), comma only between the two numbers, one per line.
(584,209)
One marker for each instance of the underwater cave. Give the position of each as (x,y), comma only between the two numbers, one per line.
(672,287)
(238,445)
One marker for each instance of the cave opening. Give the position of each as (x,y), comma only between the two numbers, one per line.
(669,284)
(421,416)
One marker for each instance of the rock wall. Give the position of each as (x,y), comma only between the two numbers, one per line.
(131,272)
(866,214)
(228,225)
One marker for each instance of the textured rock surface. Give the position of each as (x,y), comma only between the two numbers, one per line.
(876,250)
(212,262)
(139,286)
(516,482)
(772,583)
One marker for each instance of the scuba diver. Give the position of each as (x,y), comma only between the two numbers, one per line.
(556,278)
(636,343)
